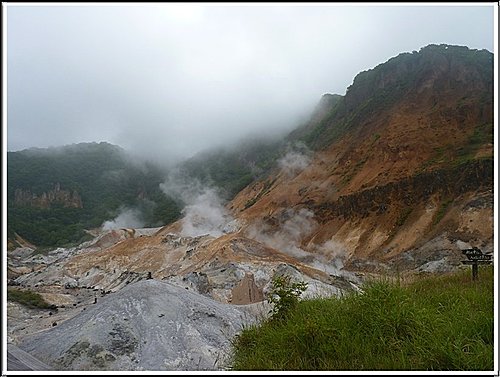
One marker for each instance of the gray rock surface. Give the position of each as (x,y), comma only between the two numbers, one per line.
(19,360)
(148,325)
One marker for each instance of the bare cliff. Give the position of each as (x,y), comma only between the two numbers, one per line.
(65,198)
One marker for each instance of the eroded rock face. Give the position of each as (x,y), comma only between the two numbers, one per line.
(67,198)
(246,292)
(407,192)
(148,325)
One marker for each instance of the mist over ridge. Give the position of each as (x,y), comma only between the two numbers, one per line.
(166,81)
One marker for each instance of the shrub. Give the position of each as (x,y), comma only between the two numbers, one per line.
(284,295)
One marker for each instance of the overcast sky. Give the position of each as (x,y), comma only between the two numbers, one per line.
(167,80)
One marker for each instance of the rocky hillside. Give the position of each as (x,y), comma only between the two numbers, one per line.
(149,325)
(405,157)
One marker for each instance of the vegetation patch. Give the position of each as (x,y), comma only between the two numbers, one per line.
(284,295)
(442,210)
(29,299)
(403,216)
(436,323)
(482,135)
(458,156)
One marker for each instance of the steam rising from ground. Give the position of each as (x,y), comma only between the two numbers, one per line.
(293,163)
(295,160)
(204,211)
(127,218)
(205,215)
(329,257)
(293,226)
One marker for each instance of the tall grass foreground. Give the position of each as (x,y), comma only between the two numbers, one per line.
(433,323)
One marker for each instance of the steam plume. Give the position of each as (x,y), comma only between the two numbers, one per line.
(295,225)
(295,160)
(127,218)
(204,212)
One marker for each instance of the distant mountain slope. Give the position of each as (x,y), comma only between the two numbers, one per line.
(232,168)
(463,76)
(55,193)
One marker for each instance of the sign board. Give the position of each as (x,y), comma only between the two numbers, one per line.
(475,257)
(479,257)
(476,261)
(476,254)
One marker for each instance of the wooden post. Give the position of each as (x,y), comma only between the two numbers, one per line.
(474,271)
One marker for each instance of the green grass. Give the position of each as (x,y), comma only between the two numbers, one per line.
(435,323)
(403,216)
(442,210)
(456,156)
(28,298)
(482,135)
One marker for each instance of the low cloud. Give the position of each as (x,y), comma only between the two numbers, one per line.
(200,76)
